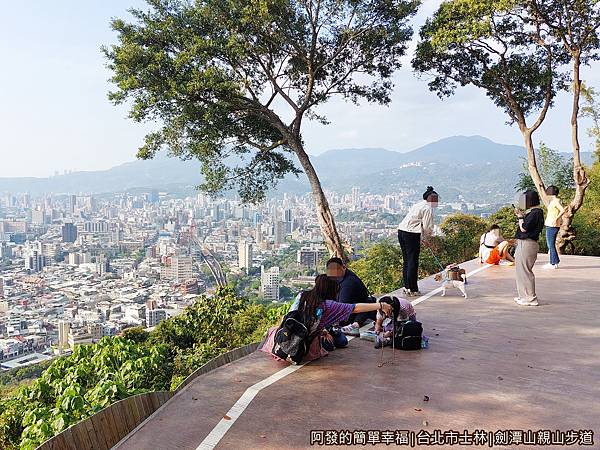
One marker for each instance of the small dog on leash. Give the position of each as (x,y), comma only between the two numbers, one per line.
(454,276)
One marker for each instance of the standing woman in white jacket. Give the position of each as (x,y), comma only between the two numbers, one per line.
(417,224)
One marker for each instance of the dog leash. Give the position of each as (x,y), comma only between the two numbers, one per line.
(435,257)
(393,360)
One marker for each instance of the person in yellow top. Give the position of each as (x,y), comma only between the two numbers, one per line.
(553,222)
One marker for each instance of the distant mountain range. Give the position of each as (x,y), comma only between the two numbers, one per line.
(473,166)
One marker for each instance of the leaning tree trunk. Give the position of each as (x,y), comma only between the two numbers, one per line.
(326,219)
(567,232)
(532,165)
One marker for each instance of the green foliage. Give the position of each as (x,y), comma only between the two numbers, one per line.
(380,268)
(75,387)
(591,108)
(371,217)
(14,376)
(136,334)
(207,321)
(211,71)
(496,46)
(505,219)
(461,236)
(95,376)
(587,221)
(554,170)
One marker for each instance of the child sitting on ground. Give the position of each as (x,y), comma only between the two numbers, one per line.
(384,325)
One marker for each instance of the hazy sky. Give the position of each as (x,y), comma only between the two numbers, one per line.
(55,116)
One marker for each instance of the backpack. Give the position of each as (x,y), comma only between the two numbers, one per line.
(293,338)
(408,335)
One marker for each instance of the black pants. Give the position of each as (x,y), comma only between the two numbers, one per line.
(410,243)
(361,318)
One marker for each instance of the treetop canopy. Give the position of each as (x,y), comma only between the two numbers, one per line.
(230,81)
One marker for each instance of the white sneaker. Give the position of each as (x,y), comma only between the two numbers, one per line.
(521,302)
(350,330)
(555,266)
(548,266)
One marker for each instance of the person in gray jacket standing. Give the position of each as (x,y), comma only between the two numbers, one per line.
(531,224)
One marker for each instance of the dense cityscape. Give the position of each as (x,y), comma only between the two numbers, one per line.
(76,268)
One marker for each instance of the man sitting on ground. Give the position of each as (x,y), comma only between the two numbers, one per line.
(352,290)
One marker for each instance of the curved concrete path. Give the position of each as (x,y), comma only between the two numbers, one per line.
(491,366)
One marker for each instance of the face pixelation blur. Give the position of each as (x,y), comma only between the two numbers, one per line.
(336,270)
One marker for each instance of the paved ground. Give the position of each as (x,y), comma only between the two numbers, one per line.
(491,366)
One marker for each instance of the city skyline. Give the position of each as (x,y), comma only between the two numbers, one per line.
(56,111)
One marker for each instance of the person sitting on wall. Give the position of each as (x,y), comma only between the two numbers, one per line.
(352,290)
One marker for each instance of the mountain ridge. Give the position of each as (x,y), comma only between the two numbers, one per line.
(339,169)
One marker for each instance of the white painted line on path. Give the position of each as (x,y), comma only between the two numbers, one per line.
(437,290)
(219,431)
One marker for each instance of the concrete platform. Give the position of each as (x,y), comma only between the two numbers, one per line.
(491,365)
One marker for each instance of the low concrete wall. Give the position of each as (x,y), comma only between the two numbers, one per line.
(105,429)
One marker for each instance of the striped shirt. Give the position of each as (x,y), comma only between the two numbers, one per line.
(334,312)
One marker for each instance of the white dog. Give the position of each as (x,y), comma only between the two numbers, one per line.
(448,279)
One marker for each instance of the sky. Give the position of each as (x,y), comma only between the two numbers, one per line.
(55,115)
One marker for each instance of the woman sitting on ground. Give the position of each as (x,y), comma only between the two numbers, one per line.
(317,303)
(493,248)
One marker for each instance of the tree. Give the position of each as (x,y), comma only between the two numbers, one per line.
(499,47)
(587,223)
(573,24)
(553,168)
(461,236)
(591,109)
(380,268)
(231,82)
(506,220)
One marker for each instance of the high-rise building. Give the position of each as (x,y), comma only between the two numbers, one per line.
(38,217)
(310,256)
(279,232)
(51,253)
(269,283)
(356,196)
(34,258)
(189,287)
(178,268)
(95,330)
(13,226)
(98,226)
(5,251)
(258,235)
(288,220)
(72,204)
(63,335)
(73,259)
(154,317)
(69,232)
(102,265)
(244,255)
(389,202)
